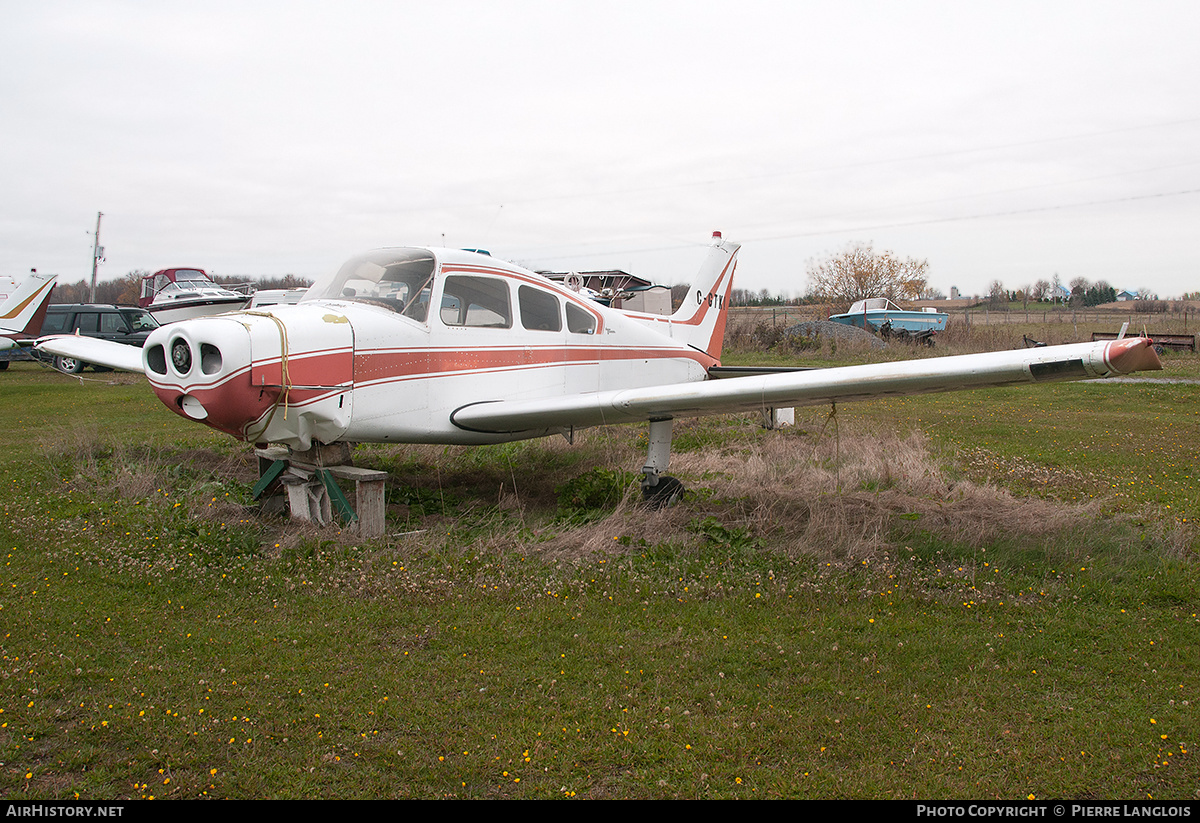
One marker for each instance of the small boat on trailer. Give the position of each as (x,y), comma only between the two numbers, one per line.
(172,295)
(885,318)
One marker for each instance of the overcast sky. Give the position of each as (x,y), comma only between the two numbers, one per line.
(1009,141)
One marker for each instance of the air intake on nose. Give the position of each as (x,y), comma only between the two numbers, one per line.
(192,407)
(210,358)
(181,355)
(156,359)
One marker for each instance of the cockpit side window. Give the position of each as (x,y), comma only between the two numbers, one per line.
(397,279)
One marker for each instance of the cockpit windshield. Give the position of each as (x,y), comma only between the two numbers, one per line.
(396,279)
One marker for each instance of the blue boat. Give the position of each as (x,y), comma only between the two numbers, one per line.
(882,316)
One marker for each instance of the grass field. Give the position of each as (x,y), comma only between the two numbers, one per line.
(980,595)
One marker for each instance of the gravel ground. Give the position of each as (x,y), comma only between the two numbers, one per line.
(836,331)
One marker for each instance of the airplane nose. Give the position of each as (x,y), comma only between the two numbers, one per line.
(284,376)
(194,367)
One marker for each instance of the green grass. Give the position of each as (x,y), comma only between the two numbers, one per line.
(159,639)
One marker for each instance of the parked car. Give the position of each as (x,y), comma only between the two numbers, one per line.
(122,324)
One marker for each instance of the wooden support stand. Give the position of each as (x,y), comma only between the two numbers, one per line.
(778,418)
(370,494)
(312,491)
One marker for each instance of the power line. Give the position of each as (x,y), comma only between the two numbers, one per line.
(960,218)
(853,229)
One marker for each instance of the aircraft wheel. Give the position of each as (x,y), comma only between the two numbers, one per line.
(666,492)
(3,365)
(69,365)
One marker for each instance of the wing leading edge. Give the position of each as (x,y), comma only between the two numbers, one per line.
(94,350)
(1079,361)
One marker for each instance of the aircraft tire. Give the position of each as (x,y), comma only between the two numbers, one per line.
(3,365)
(69,365)
(666,492)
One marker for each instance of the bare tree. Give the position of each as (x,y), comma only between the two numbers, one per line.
(997,295)
(1079,287)
(857,272)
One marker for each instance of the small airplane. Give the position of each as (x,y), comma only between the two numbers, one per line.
(433,345)
(21,315)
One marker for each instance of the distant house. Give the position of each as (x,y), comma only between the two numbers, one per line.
(1060,293)
(1123,296)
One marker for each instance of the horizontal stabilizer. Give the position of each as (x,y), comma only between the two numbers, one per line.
(1078,361)
(95,351)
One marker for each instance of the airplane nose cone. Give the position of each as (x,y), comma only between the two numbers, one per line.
(283,376)
(200,369)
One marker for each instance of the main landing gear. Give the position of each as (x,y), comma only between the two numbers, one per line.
(659,490)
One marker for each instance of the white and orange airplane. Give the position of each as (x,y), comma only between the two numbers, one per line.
(431,345)
(21,315)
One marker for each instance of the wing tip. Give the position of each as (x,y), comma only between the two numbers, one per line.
(1133,354)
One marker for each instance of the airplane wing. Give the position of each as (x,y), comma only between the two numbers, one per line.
(93,350)
(1079,361)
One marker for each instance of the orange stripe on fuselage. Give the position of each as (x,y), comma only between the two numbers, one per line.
(406,364)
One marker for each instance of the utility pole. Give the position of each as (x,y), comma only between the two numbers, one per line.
(97,256)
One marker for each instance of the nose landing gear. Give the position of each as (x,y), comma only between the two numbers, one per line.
(659,490)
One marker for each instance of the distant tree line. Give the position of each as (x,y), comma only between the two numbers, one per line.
(740,297)
(1098,294)
(762,297)
(1082,294)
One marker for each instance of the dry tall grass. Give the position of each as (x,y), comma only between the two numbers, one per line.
(847,497)
(820,494)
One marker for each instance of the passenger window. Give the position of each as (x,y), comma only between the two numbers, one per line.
(88,322)
(54,323)
(112,324)
(480,302)
(580,321)
(539,309)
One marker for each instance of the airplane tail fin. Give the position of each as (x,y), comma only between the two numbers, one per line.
(25,309)
(700,321)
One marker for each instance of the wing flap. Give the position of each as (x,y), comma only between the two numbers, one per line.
(938,374)
(93,350)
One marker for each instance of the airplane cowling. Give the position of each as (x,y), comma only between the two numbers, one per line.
(284,376)
(303,357)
